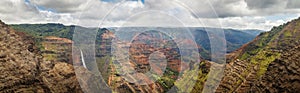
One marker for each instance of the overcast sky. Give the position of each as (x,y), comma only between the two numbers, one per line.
(237,14)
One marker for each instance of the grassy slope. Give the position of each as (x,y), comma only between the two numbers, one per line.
(265,49)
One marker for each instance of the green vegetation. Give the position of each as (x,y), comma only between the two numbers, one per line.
(252,62)
(39,31)
(168,79)
(104,66)
(260,52)
(288,34)
(193,80)
(262,42)
(263,59)
(42,30)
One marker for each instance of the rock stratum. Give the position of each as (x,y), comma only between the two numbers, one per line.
(270,63)
(24,69)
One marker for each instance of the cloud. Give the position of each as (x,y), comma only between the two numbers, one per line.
(293,4)
(239,14)
(273,7)
(62,6)
(15,11)
(239,8)
(110,12)
(218,8)
(262,4)
(6,6)
(253,22)
(273,4)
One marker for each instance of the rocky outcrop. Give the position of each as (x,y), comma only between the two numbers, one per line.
(23,69)
(283,75)
(19,64)
(60,79)
(57,49)
(270,63)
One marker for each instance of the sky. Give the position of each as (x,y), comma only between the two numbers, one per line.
(236,14)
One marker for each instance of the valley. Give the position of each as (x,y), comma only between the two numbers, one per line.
(266,62)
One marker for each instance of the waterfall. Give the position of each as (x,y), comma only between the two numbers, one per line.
(82,58)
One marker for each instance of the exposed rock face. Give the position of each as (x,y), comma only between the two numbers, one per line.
(61,78)
(283,75)
(57,49)
(23,69)
(19,65)
(139,52)
(270,63)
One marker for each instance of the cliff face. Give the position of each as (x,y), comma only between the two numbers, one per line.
(283,74)
(270,63)
(23,68)
(19,63)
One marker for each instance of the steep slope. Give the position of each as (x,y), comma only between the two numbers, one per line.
(19,63)
(270,63)
(24,69)
(57,49)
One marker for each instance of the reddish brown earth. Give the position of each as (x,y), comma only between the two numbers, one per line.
(243,75)
(24,69)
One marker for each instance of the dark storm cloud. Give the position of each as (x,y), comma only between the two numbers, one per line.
(239,8)
(218,8)
(262,4)
(63,6)
(293,4)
